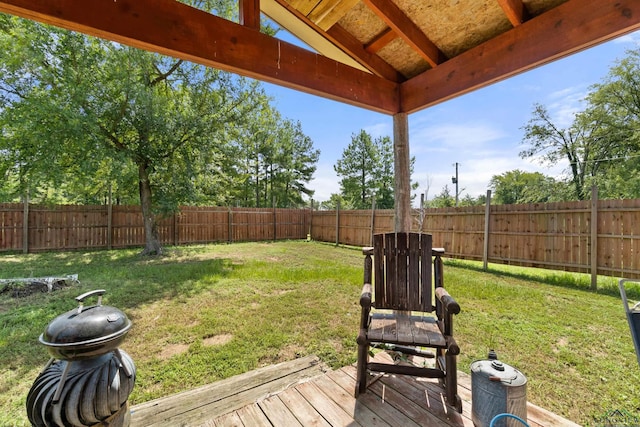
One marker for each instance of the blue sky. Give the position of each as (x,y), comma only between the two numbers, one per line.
(481,130)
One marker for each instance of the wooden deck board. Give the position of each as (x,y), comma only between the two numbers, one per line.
(302,392)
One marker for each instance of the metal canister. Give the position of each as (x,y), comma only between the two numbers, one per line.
(497,388)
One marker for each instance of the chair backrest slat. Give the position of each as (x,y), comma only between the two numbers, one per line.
(391,275)
(378,271)
(426,245)
(413,273)
(402,271)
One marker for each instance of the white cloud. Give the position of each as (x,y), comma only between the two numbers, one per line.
(447,137)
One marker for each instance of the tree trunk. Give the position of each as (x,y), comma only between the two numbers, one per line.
(152,242)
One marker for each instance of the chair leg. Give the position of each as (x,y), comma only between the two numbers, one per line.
(451,386)
(361,373)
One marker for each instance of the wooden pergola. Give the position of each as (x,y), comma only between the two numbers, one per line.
(391,56)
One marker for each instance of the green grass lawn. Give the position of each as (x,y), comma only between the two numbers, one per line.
(203,313)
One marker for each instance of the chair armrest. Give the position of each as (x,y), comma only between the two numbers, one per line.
(365,296)
(450,304)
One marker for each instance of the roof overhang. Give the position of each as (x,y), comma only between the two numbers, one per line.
(178,30)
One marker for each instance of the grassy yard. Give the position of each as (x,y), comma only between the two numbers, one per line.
(204,313)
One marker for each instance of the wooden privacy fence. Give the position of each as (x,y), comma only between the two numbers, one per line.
(33,228)
(600,237)
(597,237)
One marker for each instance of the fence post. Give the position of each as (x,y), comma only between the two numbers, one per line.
(594,238)
(230,225)
(373,218)
(175,229)
(25,225)
(275,216)
(109,219)
(485,249)
(337,222)
(309,235)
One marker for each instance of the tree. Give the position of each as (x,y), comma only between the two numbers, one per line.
(443,200)
(615,104)
(275,160)
(517,186)
(357,167)
(366,171)
(69,102)
(580,144)
(334,200)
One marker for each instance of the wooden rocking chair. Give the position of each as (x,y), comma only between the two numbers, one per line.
(396,314)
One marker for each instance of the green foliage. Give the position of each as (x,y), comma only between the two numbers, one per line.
(443,200)
(336,200)
(517,186)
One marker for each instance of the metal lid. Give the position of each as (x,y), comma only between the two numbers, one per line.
(496,371)
(89,326)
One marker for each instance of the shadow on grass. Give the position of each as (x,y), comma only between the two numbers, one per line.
(574,281)
(130,280)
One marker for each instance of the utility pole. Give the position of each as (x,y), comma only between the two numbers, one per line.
(454,180)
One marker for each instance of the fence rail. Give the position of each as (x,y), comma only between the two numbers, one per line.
(600,237)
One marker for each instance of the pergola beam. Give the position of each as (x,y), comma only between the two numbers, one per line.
(564,30)
(175,29)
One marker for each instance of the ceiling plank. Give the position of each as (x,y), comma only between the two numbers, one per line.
(405,28)
(515,11)
(328,12)
(175,29)
(566,29)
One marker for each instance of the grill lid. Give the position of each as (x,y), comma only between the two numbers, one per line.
(88,326)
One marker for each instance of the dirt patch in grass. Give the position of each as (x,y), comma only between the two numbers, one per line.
(171,350)
(221,339)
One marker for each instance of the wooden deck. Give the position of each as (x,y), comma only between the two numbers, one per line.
(304,392)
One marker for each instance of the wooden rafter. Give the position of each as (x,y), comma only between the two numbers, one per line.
(381,40)
(175,29)
(564,30)
(357,51)
(250,13)
(405,28)
(515,11)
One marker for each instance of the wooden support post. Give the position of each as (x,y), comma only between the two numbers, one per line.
(485,249)
(594,238)
(402,187)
